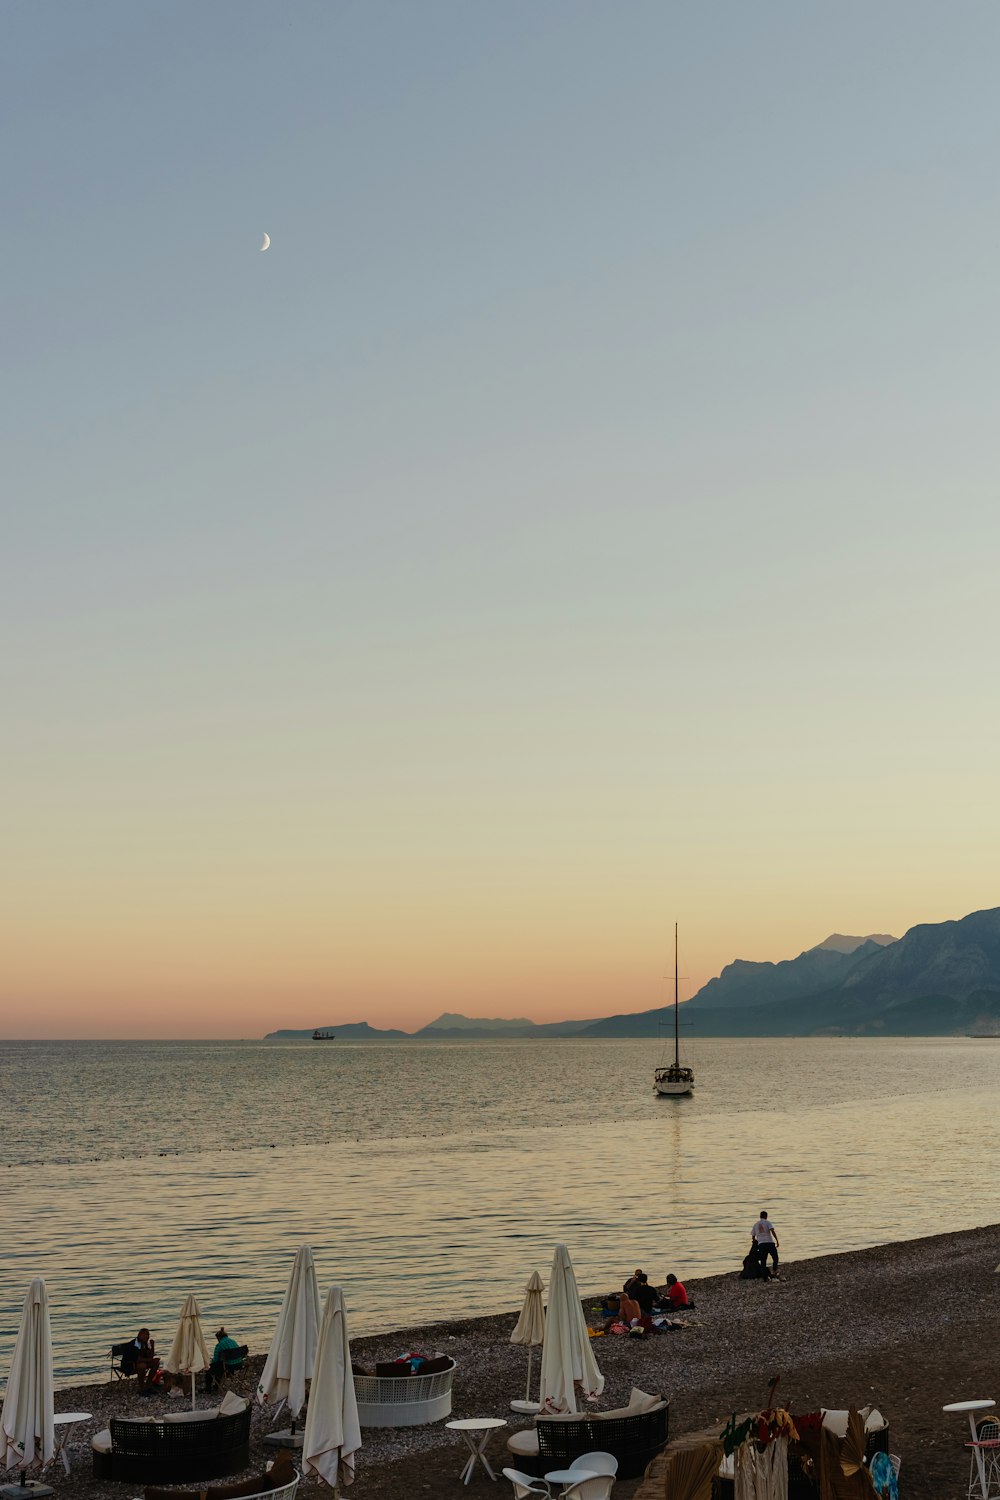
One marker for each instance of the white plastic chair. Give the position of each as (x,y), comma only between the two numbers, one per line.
(596,1463)
(600,1469)
(595,1487)
(526,1485)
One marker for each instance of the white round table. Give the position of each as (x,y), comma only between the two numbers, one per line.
(67,1422)
(477,1432)
(971,1407)
(569,1476)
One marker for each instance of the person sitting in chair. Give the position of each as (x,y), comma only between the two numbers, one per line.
(143,1359)
(221,1364)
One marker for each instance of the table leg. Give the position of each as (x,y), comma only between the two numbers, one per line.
(484,1460)
(978,1455)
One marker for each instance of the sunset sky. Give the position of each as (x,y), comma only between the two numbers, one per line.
(583,518)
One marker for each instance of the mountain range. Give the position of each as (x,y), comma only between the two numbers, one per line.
(939,979)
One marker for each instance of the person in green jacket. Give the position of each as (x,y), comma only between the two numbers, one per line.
(226,1356)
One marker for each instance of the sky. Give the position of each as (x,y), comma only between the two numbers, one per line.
(582,519)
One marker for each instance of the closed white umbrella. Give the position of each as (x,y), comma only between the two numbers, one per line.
(569,1368)
(27,1430)
(292,1354)
(333,1432)
(529,1330)
(188,1352)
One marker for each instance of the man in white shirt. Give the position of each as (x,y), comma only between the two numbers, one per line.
(766,1239)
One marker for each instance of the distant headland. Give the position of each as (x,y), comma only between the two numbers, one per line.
(939,979)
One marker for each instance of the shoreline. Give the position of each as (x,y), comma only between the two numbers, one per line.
(905,1325)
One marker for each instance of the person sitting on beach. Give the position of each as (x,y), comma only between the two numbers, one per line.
(676,1294)
(643,1293)
(754,1269)
(144,1359)
(633,1281)
(628,1312)
(221,1365)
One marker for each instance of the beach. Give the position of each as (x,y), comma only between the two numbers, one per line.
(906,1326)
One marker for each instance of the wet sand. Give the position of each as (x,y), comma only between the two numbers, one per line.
(906,1326)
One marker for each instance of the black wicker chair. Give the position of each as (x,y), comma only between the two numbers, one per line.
(634,1441)
(218,1373)
(176,1452)
(125,1354)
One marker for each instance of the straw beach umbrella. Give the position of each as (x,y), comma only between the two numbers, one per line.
(333,1433)
(292,1353)
(188,1352)
(529,1330)
(568,1364)
(27,1430)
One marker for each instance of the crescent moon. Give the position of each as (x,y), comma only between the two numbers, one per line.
(265,245)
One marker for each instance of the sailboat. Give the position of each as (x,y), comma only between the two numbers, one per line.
(672,1078)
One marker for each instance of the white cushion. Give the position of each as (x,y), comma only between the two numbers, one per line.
(644,1403)
(836,1421)
(101,1441)
(231,1404)
(524,1443)
(175,1418)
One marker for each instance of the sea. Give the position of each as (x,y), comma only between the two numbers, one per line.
(431,1178)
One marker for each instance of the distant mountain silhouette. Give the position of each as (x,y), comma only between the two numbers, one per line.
(745,983)
(843,944)
(939,979)
(346,1029)
(449,1021)
(449,1025)
(953,959)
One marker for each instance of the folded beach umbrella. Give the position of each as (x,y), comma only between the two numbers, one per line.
(529,1329)
(569,1369)
(27,1431)
(188,1352)
(292,1354)
(333,1433)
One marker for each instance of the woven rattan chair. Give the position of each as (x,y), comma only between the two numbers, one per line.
(633,1440)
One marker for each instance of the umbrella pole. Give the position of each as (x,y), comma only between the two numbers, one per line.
(527,1388)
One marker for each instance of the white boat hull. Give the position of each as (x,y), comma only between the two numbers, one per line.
(674,1081)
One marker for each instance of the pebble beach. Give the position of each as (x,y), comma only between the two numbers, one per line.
(906,1326)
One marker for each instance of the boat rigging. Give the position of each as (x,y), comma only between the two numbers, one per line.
(672,1078)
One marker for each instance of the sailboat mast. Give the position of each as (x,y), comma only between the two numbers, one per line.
(677,1039)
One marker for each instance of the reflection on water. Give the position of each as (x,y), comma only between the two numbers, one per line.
(442,1174)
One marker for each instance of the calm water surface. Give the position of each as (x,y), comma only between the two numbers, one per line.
(431,1178)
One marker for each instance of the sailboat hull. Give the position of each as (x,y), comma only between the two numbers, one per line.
(674,1081)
